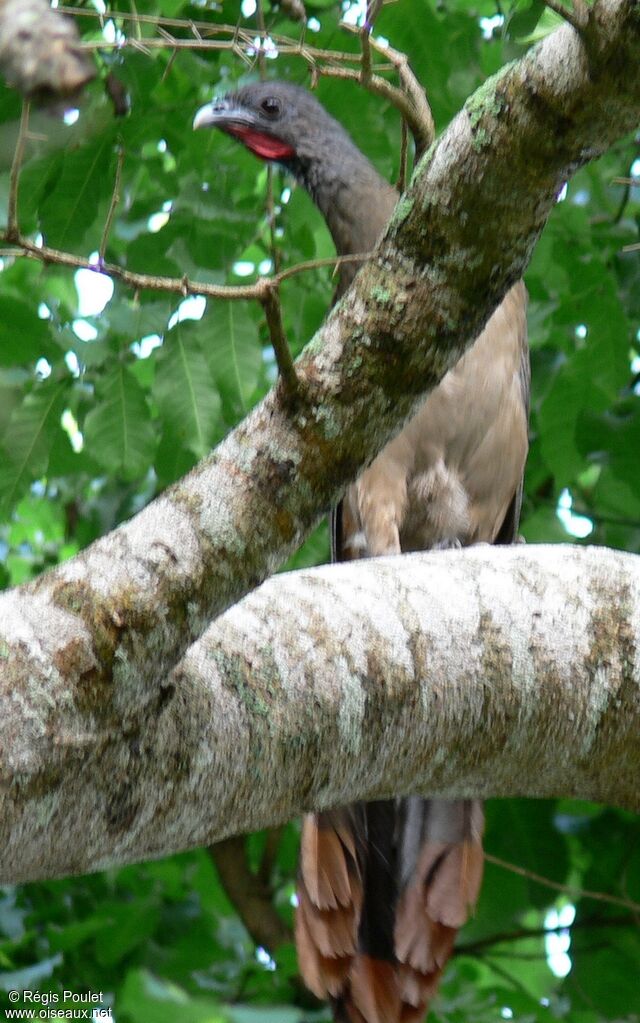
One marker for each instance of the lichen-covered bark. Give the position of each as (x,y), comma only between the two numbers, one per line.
(119,616)
(40,53)
(85,651)
(488,672)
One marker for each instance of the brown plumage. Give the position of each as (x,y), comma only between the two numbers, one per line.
(385,886)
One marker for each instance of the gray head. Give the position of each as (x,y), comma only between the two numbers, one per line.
(283,122)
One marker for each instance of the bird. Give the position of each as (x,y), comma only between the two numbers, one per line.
(384,886)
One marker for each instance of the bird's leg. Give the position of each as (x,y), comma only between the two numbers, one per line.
(381,494)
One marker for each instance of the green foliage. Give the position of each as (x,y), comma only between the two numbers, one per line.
(101,407)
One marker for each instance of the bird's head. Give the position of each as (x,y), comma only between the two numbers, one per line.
(274,120)
(282,122)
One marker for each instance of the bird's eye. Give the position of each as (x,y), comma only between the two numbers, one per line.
(271,106)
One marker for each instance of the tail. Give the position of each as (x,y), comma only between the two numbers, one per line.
(383,889)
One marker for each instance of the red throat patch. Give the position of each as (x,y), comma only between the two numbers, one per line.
(266,146)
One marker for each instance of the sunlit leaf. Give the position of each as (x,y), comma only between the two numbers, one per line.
(27,441)
(118,428)
(185,390)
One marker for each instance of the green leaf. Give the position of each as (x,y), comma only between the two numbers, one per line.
(129,927)
(185,390)
(118,430)
(135,320)
(70,210)
(27,441)
(228,337)
(24,337)
(149,999)
(546,22)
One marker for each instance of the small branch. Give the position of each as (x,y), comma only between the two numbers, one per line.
(113,205)
(524,933)
(40,54)
(240,41)
(267,863)
(271,215)
(571,890)
(410,100)
(174,285)
(251,897)
(373,8)
(365,65)
(404,146)
(423,127)
(13,227)
(626,194)
(316,264)
(271,304)
(381,87)
(262,32)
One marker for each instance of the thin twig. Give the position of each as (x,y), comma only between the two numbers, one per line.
(262,30)
(273,312)
(373,9)
(235,44)
(269,202)
(365,63)
(271,220)
(315,264)
(410,99)
(404,147)
(629,183)
(524,933)
(571,890)
(514,982)
(149,19)
(13,228)
(113,205)
(269,855)
(169,65)
(381,87)
(251,897)
(184,286)
(201,29)
(423,127)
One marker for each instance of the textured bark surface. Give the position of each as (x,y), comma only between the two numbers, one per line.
(120,615)
(40,53)
(486,672)
(105,757)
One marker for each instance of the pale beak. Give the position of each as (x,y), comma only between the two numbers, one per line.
(219,113)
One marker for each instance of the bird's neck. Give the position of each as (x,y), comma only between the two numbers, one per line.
(355,201)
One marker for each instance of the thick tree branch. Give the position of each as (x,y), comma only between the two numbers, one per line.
(40,53)
(124,611)
(487,672)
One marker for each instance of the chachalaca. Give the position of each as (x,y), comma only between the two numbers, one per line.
(384,886)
